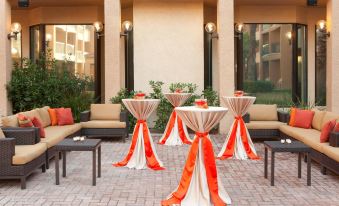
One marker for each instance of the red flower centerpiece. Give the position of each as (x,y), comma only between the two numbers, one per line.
(239,93)
(140,95)
(178,91)
(201,103)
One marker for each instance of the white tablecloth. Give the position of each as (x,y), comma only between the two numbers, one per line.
(200,184)
(142,152)
(176,130)
(238,144)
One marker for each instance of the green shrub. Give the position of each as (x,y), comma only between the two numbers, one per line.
(41,83)
(258,86)
(211,96)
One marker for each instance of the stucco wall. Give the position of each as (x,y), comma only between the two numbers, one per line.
(168,42)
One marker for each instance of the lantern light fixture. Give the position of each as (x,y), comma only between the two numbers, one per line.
(15,30)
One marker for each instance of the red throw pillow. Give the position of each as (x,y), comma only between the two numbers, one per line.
(36,122)
(64,116)
(326,130)
(303,118)
(336,128)
(292,117)
(24,121)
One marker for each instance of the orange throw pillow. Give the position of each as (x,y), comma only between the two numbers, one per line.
(326,131)
(53,117)
(292,117)
(24,121)
(303,118)
(64,116)
(36,122)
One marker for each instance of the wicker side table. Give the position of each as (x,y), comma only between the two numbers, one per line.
(295,146)
(92,145)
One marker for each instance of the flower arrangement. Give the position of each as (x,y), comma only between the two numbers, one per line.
(139,95)
(178,90)
(201,103)
(239,93)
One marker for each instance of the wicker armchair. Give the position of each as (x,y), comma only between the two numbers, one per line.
(11,167)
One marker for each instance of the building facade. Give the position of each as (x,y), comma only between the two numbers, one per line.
(279,46)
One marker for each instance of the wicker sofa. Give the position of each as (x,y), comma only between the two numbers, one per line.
(16,136)
(327,156)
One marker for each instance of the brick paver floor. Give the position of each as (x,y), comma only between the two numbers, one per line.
(243,180)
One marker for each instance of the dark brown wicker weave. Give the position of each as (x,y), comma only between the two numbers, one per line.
(7,151)
(105,132)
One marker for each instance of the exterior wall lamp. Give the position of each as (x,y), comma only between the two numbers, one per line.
(126,29)
(239,29)
(289,37)
(210,28)
(323,27)
(48,38)
(15,30)
(99,27)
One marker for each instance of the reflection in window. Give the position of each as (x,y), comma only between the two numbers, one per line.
(320,68)
(16,48)
(74,44)
(267,62)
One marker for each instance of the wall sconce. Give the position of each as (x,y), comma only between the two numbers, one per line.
(126,28)
(239,29)
(289,37)
(211,29)
(99,27)
(48,38)
(15,30)
(323,28)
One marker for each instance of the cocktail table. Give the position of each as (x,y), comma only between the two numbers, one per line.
(295,146)
(93,145)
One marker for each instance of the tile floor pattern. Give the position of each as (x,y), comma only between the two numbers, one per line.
(243,180)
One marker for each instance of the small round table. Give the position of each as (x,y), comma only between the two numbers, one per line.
(176,131)
(238,144)
(199,184)
(142,152)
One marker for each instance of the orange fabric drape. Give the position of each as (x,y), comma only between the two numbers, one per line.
(229,151)
(211,172)
(169,129)
(152,161)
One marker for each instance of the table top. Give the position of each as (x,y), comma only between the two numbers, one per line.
(177,99)
(71,145)
(238,105)
(295,146)
(199,119)
(141,108)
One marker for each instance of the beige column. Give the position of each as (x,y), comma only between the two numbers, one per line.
(5,55)
(113,80)
(332,56)
(225,12)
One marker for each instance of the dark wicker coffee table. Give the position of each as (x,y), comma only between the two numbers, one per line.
(295,146)
(93,145)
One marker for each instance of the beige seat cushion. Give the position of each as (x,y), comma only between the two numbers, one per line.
(27,153)
(46,120)
(105,111)
(2,135)
(264,124)
(263,112)
(103,124)
(55,134)
(328,117)
(317,119)
(10,121)
(332,152)
(33,113)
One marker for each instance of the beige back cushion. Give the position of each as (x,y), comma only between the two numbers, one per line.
(2,135)
(33,113)
(317,119)
(105,111)
(328,117)
(10,121)
(46,120)
(263,112)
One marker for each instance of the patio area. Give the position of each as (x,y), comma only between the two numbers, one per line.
(243,180)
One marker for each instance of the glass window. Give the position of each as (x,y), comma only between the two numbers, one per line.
(320,68)
(273,63)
